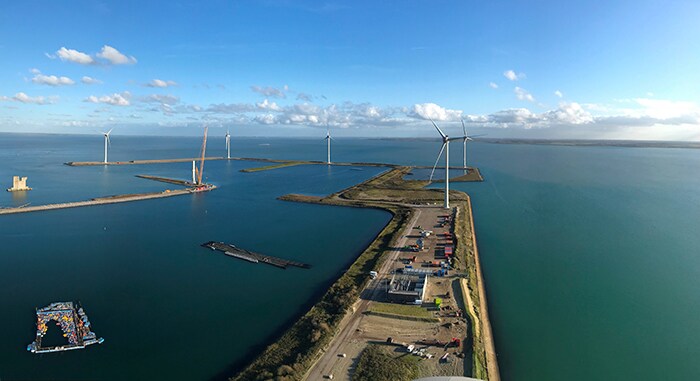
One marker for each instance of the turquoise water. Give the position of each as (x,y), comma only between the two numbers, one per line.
(591,261)
(590,254)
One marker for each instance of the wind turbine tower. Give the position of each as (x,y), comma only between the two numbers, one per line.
(328,142)
(445,147)
(107,142)
(194,172)
(465,138)
(228,144)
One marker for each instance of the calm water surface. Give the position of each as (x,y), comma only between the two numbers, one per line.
(166,307)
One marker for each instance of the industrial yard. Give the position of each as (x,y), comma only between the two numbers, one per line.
(420,323)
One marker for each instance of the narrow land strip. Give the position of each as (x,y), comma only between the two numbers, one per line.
(137,162)
(100,201)
(489,344)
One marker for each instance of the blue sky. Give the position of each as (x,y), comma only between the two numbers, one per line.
(540,69)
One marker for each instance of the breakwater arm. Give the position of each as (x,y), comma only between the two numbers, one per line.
(137,162)
(100,201)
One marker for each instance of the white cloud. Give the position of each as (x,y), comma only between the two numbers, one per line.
(161,83)
(114,99)
(568,113)
(270,91)
(345,115)
(72,55)
(523,95)
(114,56)
(559,94)
(34,71)
(24,98)
(265,119)
(52,80)
(162,98)
(493,85)
(90,81)
(511,75)
(108,55)
(267,105)
(434,112)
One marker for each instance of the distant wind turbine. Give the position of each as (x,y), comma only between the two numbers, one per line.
(466,138)
(328,141)
(107,142)
(228,145)
(445,147)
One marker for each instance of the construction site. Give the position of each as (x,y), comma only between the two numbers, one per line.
(19,184)
(195,186)
(72,321)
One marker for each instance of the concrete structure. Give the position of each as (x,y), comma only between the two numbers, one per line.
(407,288)
(19,184)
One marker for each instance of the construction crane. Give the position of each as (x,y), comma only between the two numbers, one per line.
(201,160)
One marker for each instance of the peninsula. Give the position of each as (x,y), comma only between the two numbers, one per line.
(447,328)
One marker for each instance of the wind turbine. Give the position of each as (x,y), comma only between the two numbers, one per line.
(445,147)
(228,145)
(328,141)
(107,142)
(465,138)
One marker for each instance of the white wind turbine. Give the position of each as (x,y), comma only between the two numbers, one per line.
(328,142)
(228,144)
(107,142)
(465,138)
(445,147)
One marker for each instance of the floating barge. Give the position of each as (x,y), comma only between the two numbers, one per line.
(237,252)
(73,322)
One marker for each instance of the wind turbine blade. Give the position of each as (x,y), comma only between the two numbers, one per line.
(439,130)
(436,162)
(464,129)
(109,141)
(110,131)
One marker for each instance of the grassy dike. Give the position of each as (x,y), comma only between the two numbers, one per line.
(299,347)
(274,166)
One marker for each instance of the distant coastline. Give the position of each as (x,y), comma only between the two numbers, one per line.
(595,143)
(577,142)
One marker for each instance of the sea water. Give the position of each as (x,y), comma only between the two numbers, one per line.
(590,254)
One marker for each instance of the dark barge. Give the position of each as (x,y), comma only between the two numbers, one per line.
(237,252)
